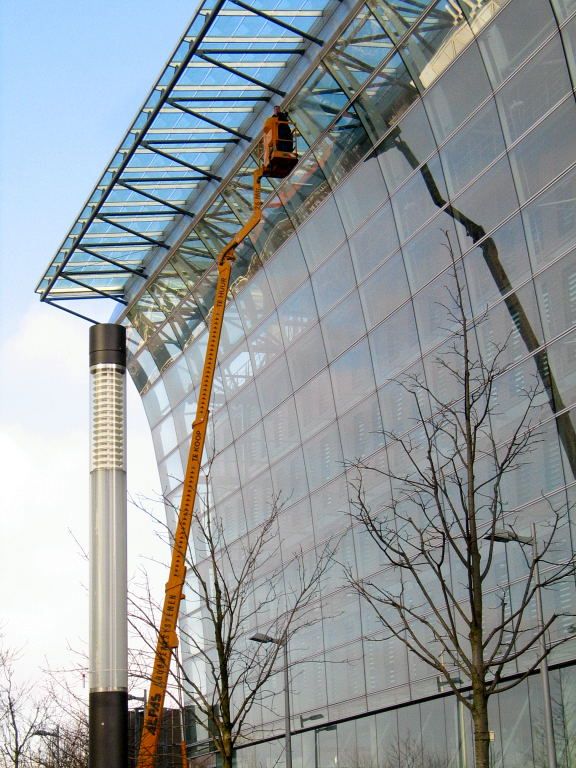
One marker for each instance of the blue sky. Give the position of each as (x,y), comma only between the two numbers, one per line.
(72,77)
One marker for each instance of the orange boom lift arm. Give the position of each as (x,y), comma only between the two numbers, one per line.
(167,639)
(276,162)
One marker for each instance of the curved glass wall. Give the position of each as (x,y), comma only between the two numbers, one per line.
(456,122)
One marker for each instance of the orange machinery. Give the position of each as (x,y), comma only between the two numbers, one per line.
(278,161)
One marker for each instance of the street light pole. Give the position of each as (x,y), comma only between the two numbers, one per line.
(283,641)
(545,677)
(287,706)
(505,537)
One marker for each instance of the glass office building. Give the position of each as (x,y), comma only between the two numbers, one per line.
(420,123)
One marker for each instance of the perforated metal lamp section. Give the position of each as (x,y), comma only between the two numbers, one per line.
(108,419)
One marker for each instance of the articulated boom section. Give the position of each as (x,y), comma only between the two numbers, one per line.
(167,639)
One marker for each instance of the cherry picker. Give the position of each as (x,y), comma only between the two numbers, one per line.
(278,159)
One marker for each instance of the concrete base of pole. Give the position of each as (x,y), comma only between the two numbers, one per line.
(108,729)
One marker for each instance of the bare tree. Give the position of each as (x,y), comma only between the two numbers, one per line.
(66,689)
(439,527)
(24,710)
(241,588)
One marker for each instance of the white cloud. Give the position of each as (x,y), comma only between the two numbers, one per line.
(44,497)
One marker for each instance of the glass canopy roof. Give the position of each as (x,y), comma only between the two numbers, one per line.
(232,59)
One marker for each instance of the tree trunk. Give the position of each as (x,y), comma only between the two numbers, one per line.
(481,732)
(227,751)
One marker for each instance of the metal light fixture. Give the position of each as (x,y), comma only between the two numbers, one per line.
(507,536)
(259,637)
(53,735)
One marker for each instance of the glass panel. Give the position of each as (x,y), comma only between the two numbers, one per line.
(360,49)
(360,194)
(569,38)
(361,430)
(398,406)
(550,221)
(177,380)
(556,291)
(307,189)
(274,385)
(286,270)
(164,437)
(352,376)
(275,228)
(281,428)
(513,35)
(496,266)
(183,416)
(315,405)
(224,474)
(327,506)
(323,457)
(564,8)
(343,326)
(295,524)
(258,499)
(502,328)
(516,727)
(474,147)
(384,291)
(289,478)
(156,403)
(408,145)
(255,302)
(562,361)
(396,16)
(419,199)
(387,735)
(318,102)
(171,472)
(266,343)
(546,151)
(410,736)
(435,43)
(346,680)
(251,453)
(386,664)
(538,86)
(333,280)
(195,355)
(306,357)
(394,344)
(372,244)
(386,98)
(428,253)
(458,92)
(221,434)
(434,307)
(437,727)
(236,370)
(232,330)
(244,410)
(321,234)
(345,144)
(482,206)
(298,313)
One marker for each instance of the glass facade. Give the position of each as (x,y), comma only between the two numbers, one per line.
(422,122)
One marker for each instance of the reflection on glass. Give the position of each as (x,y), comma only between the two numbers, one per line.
(360,49)
(535,89)
(508,41)
(457,93)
